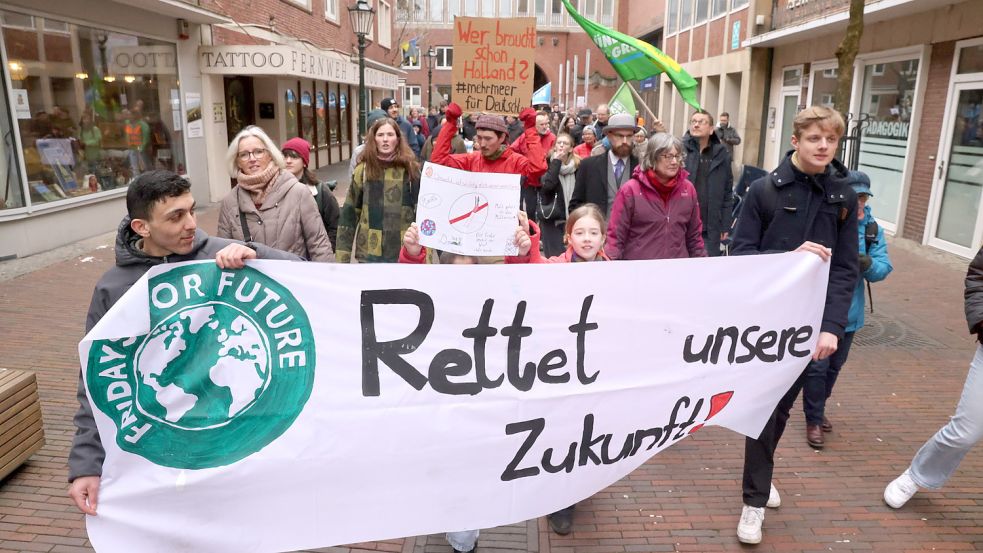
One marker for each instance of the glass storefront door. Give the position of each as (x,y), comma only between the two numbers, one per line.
(959,216)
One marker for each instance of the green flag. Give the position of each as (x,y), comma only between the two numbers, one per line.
(622,101)
(635,60)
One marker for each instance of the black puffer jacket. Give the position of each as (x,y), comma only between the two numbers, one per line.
(974,295)
(787,207)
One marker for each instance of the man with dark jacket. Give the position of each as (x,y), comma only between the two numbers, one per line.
(939,458)
(391,107)
(728,135)
(708,165)
(805,205)
(160,228)
(584,119)
(600,176)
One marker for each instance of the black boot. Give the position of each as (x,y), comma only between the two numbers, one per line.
(561,521)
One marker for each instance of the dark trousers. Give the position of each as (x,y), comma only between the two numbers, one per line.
(552,238)
(711,240)
(530,201)
(820,378)
(759,454)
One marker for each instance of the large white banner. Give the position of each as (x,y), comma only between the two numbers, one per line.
(296,405)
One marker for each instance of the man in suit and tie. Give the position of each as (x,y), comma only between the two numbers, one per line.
(599,177)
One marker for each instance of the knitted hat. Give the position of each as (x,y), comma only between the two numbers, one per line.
(387,103)
(300,146)
(491,123)
(374,116)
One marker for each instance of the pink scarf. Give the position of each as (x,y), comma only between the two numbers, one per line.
(258,185)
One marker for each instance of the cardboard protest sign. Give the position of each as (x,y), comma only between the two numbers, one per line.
(467,213)
(493,63)
(239,414)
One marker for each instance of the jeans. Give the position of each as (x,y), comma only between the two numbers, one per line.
(464,540)
(820,378)
(759,453)
(938,458)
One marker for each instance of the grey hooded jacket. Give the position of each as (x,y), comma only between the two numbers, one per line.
(87,453)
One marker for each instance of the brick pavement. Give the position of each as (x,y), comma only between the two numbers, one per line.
(901,384)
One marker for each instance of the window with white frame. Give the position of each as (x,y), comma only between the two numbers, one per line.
(522,9)
(453,9)
(18,20)
(411,60)
(406,10)
(877,70)
(541,18)
(437,11)
(504,8)
(702,11)
(471,8)
(831,73)
(719,7)
(411,95)
(672,16)
(556,19)
(826,100)
(607,12)
(306,4)
(331,10)
(738,4)
(385,16)
(488,8)
(445,57)
(685,14)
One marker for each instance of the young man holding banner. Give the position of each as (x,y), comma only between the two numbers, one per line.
(805,205)
(160,227)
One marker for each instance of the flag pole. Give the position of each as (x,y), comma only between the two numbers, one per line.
(640,101)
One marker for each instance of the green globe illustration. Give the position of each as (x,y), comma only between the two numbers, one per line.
(202,367)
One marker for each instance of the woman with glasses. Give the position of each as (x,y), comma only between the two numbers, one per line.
(656,214)
(381,201)
(297,156)
(268,205)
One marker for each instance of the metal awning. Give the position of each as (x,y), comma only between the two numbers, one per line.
(178,9)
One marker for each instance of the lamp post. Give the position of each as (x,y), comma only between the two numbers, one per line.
(431,59)
(361,15)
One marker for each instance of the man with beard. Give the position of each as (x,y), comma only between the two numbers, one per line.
(600,176)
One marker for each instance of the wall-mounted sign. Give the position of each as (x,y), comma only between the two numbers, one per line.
(287,61)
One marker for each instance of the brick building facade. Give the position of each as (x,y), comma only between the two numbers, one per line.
(915,107)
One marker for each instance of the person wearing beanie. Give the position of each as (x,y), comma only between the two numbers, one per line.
(297,156)
(391,107)
(491,155)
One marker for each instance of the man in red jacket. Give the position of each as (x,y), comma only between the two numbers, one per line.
(491,154)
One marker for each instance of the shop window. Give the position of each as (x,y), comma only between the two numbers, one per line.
(887,101)
(322,118)
(333,110)
(445,57)
(290,112)
(95,127)
(970,59)
(11,186)
(344,119)
(307,116)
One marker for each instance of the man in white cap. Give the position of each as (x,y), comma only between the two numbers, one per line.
(600,176)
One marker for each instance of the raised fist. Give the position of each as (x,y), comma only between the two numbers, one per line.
(528,118)
(453,111)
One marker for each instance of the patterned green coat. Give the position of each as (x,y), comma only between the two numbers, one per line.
(375,216)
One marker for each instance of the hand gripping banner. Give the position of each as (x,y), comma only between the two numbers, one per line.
(296,405)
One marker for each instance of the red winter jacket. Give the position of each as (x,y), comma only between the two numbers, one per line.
(533,164)
(643,226)
(535,257)
(546,142)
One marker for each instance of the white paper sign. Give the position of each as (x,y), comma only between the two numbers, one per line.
(468,213)
(291,406)
(21,106)
(55,151)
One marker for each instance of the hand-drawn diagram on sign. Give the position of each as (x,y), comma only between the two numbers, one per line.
(468,213)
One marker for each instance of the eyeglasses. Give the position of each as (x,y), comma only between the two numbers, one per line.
(258,153)
(286,153)
(672,157)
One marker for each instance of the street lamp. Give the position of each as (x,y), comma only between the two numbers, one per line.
(431,59)
(361,15)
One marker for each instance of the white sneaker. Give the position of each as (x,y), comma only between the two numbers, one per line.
(749,528)
(898,492)
(774,500)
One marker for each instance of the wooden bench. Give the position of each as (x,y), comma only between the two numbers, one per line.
(21,432)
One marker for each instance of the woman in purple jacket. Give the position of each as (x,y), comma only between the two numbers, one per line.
(656,214)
